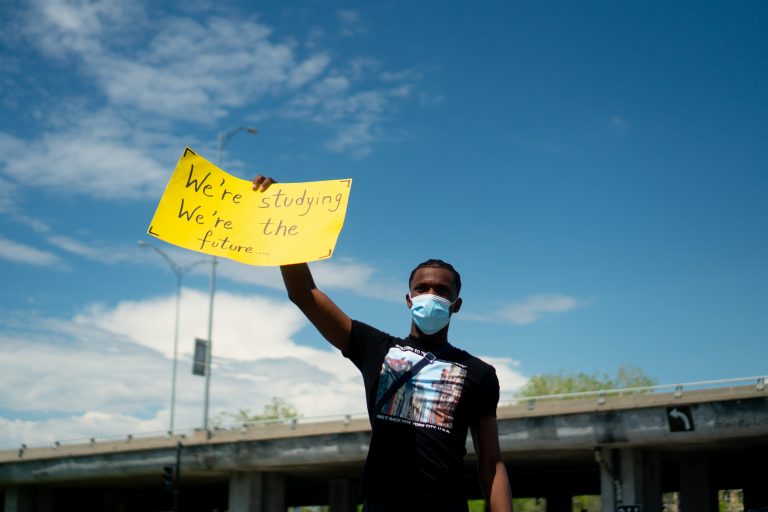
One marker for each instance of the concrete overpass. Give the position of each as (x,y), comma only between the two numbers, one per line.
(627,446)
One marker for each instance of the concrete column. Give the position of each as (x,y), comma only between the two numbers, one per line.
(342,495)
(18,499)
(696,492)
(43,500)
(631,477)
(641,479)
(755,495)
(652,491)
(559,503)
(245,492)
(608,460)
(274,493)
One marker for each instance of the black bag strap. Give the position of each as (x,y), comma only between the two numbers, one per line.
(428,358)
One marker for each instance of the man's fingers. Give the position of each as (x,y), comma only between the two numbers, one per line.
(262,183)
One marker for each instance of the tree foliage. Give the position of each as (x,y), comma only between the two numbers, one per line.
(276,409)
(561,382)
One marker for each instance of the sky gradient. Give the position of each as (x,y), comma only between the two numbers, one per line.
(597,172)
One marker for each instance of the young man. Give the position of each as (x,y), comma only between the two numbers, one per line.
(419,423)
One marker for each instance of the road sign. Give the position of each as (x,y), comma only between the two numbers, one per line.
(201,353)
(629,508)
(680,418)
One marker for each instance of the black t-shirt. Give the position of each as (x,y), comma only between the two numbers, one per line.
(419,435)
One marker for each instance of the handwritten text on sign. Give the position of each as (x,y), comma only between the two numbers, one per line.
(207,210)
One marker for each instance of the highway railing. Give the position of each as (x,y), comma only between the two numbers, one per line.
(359,421)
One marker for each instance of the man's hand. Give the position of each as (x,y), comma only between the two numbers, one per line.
(262,183)
(325,315)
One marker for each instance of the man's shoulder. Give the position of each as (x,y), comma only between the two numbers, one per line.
(366,330)
(369,335)
(464,357)
(367,343)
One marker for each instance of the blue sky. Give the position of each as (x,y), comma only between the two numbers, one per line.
(597,171)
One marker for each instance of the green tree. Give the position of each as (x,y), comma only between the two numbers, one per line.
(276,409)
(587,504)
(561,382)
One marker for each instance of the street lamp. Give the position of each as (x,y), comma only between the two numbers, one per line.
(179,270)
(222,137)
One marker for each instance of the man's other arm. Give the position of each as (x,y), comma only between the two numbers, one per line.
(325,315)
(490,467)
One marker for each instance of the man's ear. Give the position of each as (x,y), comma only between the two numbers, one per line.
(408,300)
(456,305)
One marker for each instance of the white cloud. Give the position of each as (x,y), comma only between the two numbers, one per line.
(308,70)
(78,427)
(153,69)
(95,251)
(192,69)
(244,327)
(355,116)
(618,124)
(7,191)
(107,372)
(75,26)
(510,379)
(58,367)
(406,75)
(534,307)
(197,71)
(528,310)
(268,277)
(351,23)
(21,253)
(344,274)
(359,278)
(618,121)
(36,225)
(100,155)
(114,144)
(8,194)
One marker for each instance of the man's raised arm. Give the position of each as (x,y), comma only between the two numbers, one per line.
(325,315)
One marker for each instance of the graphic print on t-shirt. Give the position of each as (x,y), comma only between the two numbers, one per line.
(428,398)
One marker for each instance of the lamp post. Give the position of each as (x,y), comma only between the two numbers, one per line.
(179,270)
(222,137)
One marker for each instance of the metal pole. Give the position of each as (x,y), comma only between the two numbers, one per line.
(177,479)
(221,140)
(175,349)
(210,345)
(179,271)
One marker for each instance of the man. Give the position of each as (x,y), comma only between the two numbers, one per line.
(419,416)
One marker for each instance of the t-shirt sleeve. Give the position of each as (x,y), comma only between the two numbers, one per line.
(489,394)
(363,340)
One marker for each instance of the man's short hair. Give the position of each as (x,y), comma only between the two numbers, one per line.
(438,264)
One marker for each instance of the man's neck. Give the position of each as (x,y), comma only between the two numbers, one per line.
(438,338)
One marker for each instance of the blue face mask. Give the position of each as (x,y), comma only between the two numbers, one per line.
(430,312)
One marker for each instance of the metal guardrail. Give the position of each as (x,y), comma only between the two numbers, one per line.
(600,395)
(677,389)
(189,432)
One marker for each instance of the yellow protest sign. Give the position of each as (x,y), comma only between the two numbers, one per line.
(207,210)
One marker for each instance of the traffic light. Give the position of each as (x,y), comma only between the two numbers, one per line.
(168,478)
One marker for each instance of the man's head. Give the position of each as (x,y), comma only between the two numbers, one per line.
(433,297)
(433,263)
